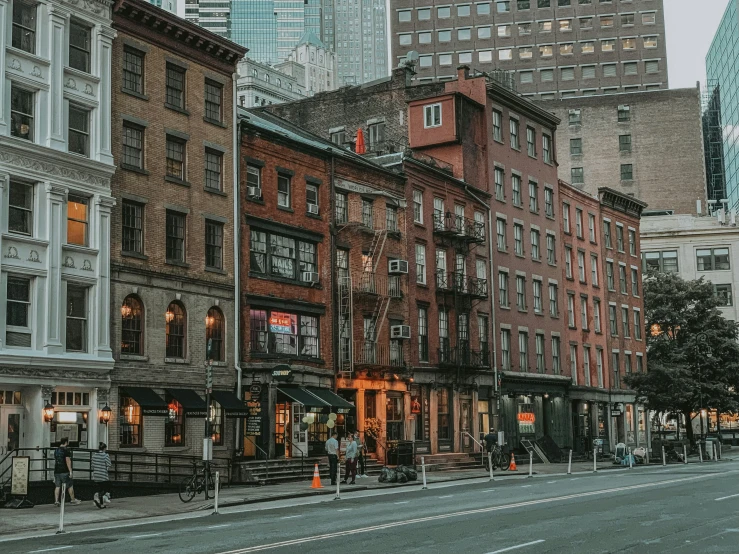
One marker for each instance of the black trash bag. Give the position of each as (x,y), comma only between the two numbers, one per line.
(411,473)
(387,475)
(402,478)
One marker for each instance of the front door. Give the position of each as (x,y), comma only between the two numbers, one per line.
(300,432)
(10,432)
(465,424)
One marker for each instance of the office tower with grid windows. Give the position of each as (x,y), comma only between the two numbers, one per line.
(557,48)
(721,118)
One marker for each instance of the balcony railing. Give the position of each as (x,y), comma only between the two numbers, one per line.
(463,357)
(461,284)
(376,354)
(460,227)
(368,282)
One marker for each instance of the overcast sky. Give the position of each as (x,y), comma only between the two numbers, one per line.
(691,25)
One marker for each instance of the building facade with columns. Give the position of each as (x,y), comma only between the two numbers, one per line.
(55,207)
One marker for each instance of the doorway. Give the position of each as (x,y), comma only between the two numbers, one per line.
(465,423)
(10,432)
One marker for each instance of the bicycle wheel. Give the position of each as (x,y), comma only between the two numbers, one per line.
(504,461)
(485,461)
(187,489)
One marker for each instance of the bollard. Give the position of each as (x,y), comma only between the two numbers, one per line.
(423,470)
(719,450)
(531,463)
(595,460)
(490,465)
(700,452)
(664,461)
(569,464)
(646,460)
(715,451)
(631,459)
(338,480)
(685,453)
(63,495)
(215,498)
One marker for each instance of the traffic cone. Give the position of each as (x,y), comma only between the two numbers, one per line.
(513,467)
(316,479)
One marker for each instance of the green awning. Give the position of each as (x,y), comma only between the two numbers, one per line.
(192,403)
(338,404)
(232,406)
(302,396)
(150,402)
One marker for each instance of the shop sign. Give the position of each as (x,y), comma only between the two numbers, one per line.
(280,323)
(254,419)
(255,389)
(282,373)
(617,410)
(19,476)
(526,422)
(415,405)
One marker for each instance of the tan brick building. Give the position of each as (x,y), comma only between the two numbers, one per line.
(172,274)
(647,145)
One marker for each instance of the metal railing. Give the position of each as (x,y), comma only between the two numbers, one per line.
(373,353)
(369,282)
(132,467)
(459,226)
(463,356)
(302,454)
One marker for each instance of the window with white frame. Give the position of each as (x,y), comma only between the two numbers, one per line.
(571,309)
(594,269)
(521,293)
(432,115)
(538,304)
(596,315)
(503,299)
(523,350)
(417,206)
(20,208)
(573,363)
(76,318)
(551,250)
(556,367)
(586,364)
(535,250)
(599,366)
(18,312)
(581,265)
(283,190)
(441,275)
(553,307)
(568,262)
(505,348)
(501,234)
(421,264)
(516,188)
(584,313)
(637,325)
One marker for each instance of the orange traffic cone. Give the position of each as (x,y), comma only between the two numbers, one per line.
(513,467)
(316,479)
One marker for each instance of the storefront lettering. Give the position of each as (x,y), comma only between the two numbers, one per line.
(280,323)
(254,419)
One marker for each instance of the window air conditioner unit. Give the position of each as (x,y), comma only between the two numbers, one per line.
(313,209)
(398,266)
(310,277)
(400,331)
(254,192)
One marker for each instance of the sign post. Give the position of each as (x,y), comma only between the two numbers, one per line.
(208,440)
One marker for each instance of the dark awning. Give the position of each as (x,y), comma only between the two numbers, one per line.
(304,397)
(232,406)
(338,404)
(150,402)
(191,401)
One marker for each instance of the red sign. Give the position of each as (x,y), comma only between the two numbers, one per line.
(526,417)
(280,323)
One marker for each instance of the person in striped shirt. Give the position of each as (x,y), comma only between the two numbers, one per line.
(100,464)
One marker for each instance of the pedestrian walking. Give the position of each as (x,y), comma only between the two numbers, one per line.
(361,455)
(63,473)
(351,460)
(100,465)
(332,449)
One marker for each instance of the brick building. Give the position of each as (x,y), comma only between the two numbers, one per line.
(646,145)
(172,275)
(555,48)
(584,287)
(624,311)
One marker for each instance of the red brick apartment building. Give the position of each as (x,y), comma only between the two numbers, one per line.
(172,263)
(487,298)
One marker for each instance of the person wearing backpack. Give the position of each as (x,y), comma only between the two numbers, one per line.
(63,473)
(100,464)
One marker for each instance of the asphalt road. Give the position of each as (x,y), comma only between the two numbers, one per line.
(692,508)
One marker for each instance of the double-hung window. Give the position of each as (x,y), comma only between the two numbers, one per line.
(283,190)
(175,87)
(76,332)
(533,197)
(22,108)
(78,131)
(531,141)
(553,307)
(420,264)
(417,206)
(133,70)
(79,46)
(503,289)
(275,255)
(521,293)
(432,116)
(133,146)
(18,312)
(213,101)
(175,236)
(284,333)
(213,244)
(712,259)
(132,214)
(213,170)
(20,208)
(77,219)
(176,158)
(515,139)
(24,26)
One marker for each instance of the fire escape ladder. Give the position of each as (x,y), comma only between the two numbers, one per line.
(346,358)
(378,243)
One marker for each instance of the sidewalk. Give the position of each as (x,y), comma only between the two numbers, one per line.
(46,517)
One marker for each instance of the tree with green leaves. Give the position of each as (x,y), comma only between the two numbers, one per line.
(692,350)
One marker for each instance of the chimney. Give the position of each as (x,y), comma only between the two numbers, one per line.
(463,72)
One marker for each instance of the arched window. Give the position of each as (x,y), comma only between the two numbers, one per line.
(266,78)
(279,82)
(132,326)
(214,330)
(176,330)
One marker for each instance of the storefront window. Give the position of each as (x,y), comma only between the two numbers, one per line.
(14,397)
(630,436)
(216,423)
(443,413)
(284,333)
(131,422)
(483,413)
(174,428)
(642,427)
(65,398)
(420,412)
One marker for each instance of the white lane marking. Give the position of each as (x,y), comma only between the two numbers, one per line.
(344,510)
(338,534)
(403,502)
(50,549)
(727,497)
(446,496)
(524,545)
(218,526)
(574,479)
(290,517)
(489,490)
(550,482)
(525,486)
(145,536)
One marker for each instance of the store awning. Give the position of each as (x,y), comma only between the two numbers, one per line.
(150,402)
(232,406)
(338,404)
(192,403)
(304,397)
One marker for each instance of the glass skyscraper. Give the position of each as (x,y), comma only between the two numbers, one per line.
(254,25)
(722,74)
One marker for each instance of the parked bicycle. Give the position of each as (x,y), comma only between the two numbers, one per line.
(196,483)
(500,459)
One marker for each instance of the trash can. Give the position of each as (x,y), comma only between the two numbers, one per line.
(405,453)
